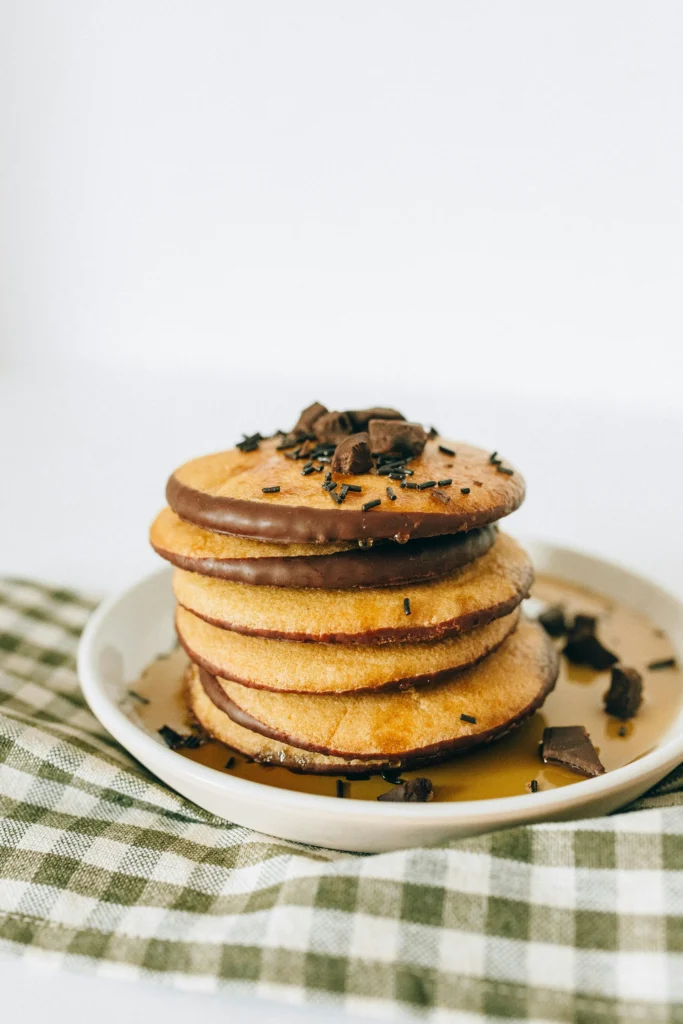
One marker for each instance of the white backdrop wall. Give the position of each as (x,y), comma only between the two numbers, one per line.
(480,195)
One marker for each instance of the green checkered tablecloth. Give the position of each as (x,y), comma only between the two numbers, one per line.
(103,867)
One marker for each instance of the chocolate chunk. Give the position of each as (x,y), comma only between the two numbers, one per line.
(361,417)
(584,648)
(552,620)
(569,746)
(333,427)
(584,624)
(415,791)
(307,419)
(625,694)
(396,436)
(352,455)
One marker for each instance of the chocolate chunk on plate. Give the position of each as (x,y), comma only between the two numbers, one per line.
(396,436)
(414,791)
(361,417)
(352,455)
(584,648)
(333,427)
(569,746)
(553,621)
(625,694)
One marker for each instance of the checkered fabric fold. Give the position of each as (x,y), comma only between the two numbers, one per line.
(103,867)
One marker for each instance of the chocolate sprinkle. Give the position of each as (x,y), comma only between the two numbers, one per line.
(392,776)
(390,494)
(493,458)
(136,696)
(355,488)
(413,791)
(625,694)
(307,470)
(371,504)
(468,718)
(175,741)
(506,470)
(446,451)
(230,763)
(553,621)
(340,788)
(426,484)
(406,606)
(655,666)
(569,746)
(533,786)
(446,483)
(464,490)
(271,490)
(623,731)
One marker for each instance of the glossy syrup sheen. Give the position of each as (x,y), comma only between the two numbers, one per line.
(506,767)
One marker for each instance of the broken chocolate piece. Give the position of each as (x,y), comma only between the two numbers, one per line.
(396,436)
(553,622)
(625,694)
(569,746)
(333,427)
(411,792)
(441,497)
(310,414)
(352,455)
(361,417)
(584,648)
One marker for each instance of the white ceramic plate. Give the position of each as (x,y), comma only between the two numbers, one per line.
(129,631)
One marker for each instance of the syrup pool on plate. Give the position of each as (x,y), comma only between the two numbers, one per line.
(505,767)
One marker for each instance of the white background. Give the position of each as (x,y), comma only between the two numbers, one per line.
(215,212)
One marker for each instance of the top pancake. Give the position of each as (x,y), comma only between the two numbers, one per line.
(224,493)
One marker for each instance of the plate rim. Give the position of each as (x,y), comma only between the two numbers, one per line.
(560,801)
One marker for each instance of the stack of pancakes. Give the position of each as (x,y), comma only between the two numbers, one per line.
(346,603)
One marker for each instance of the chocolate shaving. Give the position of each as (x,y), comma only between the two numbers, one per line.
(333,427)
(175,741)
(625,694)
(413,791)
(655,666)
(553,621)
(584,648)
(353,455)
(396,436)
(569,746)
(361,417)
(307,419)
(441,497)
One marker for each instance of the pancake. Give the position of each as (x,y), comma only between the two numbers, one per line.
(224,493)
(328,566)
(480,592)
(261,748)
(495,696)
(284,666)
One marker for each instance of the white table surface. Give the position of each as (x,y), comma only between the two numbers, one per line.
(85,454)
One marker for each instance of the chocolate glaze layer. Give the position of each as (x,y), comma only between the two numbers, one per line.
(394,684)
(300,524)
(406,759)
(382,566)
(407,634)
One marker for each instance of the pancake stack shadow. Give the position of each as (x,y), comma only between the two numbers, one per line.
(347,604)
